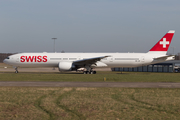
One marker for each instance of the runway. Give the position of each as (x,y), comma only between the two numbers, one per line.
(93,84)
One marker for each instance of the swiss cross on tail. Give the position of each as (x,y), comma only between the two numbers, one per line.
(164,43)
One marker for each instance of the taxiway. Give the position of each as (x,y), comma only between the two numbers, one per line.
(93,84)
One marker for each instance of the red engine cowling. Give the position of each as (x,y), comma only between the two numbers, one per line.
(66,66)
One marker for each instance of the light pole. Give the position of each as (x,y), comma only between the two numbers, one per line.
(54,48)
(173,49)
(54,44)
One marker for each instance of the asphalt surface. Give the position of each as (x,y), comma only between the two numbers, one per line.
(92,84)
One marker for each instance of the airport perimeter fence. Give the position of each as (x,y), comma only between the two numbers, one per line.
(149,68)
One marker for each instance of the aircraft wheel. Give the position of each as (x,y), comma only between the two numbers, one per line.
(86,72)
(91,72)
(16,71)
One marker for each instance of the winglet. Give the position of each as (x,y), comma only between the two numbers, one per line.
(163,44)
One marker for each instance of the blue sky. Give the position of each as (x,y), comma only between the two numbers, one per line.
(87,25)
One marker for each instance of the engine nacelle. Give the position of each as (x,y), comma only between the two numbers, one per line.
(66,66)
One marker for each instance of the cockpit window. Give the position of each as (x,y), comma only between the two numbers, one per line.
(7,58)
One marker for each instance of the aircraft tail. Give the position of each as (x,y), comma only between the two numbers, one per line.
(161,47)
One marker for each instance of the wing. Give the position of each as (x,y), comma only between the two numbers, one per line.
(89,61)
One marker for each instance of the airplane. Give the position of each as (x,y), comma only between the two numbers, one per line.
(89,61)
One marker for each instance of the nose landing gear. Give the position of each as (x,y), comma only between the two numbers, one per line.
(16,70)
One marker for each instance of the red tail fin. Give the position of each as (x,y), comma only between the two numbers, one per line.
(163,44)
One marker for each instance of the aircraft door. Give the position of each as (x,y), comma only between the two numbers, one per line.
(142,59)
(17,59)
(110,59)
(79,58)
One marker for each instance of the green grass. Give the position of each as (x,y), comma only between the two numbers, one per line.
(99,77)
(45,103)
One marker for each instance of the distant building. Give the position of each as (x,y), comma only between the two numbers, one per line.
(168,66)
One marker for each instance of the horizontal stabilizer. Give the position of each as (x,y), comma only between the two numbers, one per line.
(164,57)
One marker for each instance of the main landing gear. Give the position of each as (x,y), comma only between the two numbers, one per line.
(89,72)
(16,70)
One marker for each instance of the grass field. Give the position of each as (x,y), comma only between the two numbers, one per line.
(40,103)
(99,77)
(46,103)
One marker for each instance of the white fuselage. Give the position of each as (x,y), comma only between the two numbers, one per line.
(53,59)
(88,61)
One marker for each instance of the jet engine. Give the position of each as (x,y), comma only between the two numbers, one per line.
(66,66)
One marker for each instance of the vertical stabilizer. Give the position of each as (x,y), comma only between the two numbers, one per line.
(161,47)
